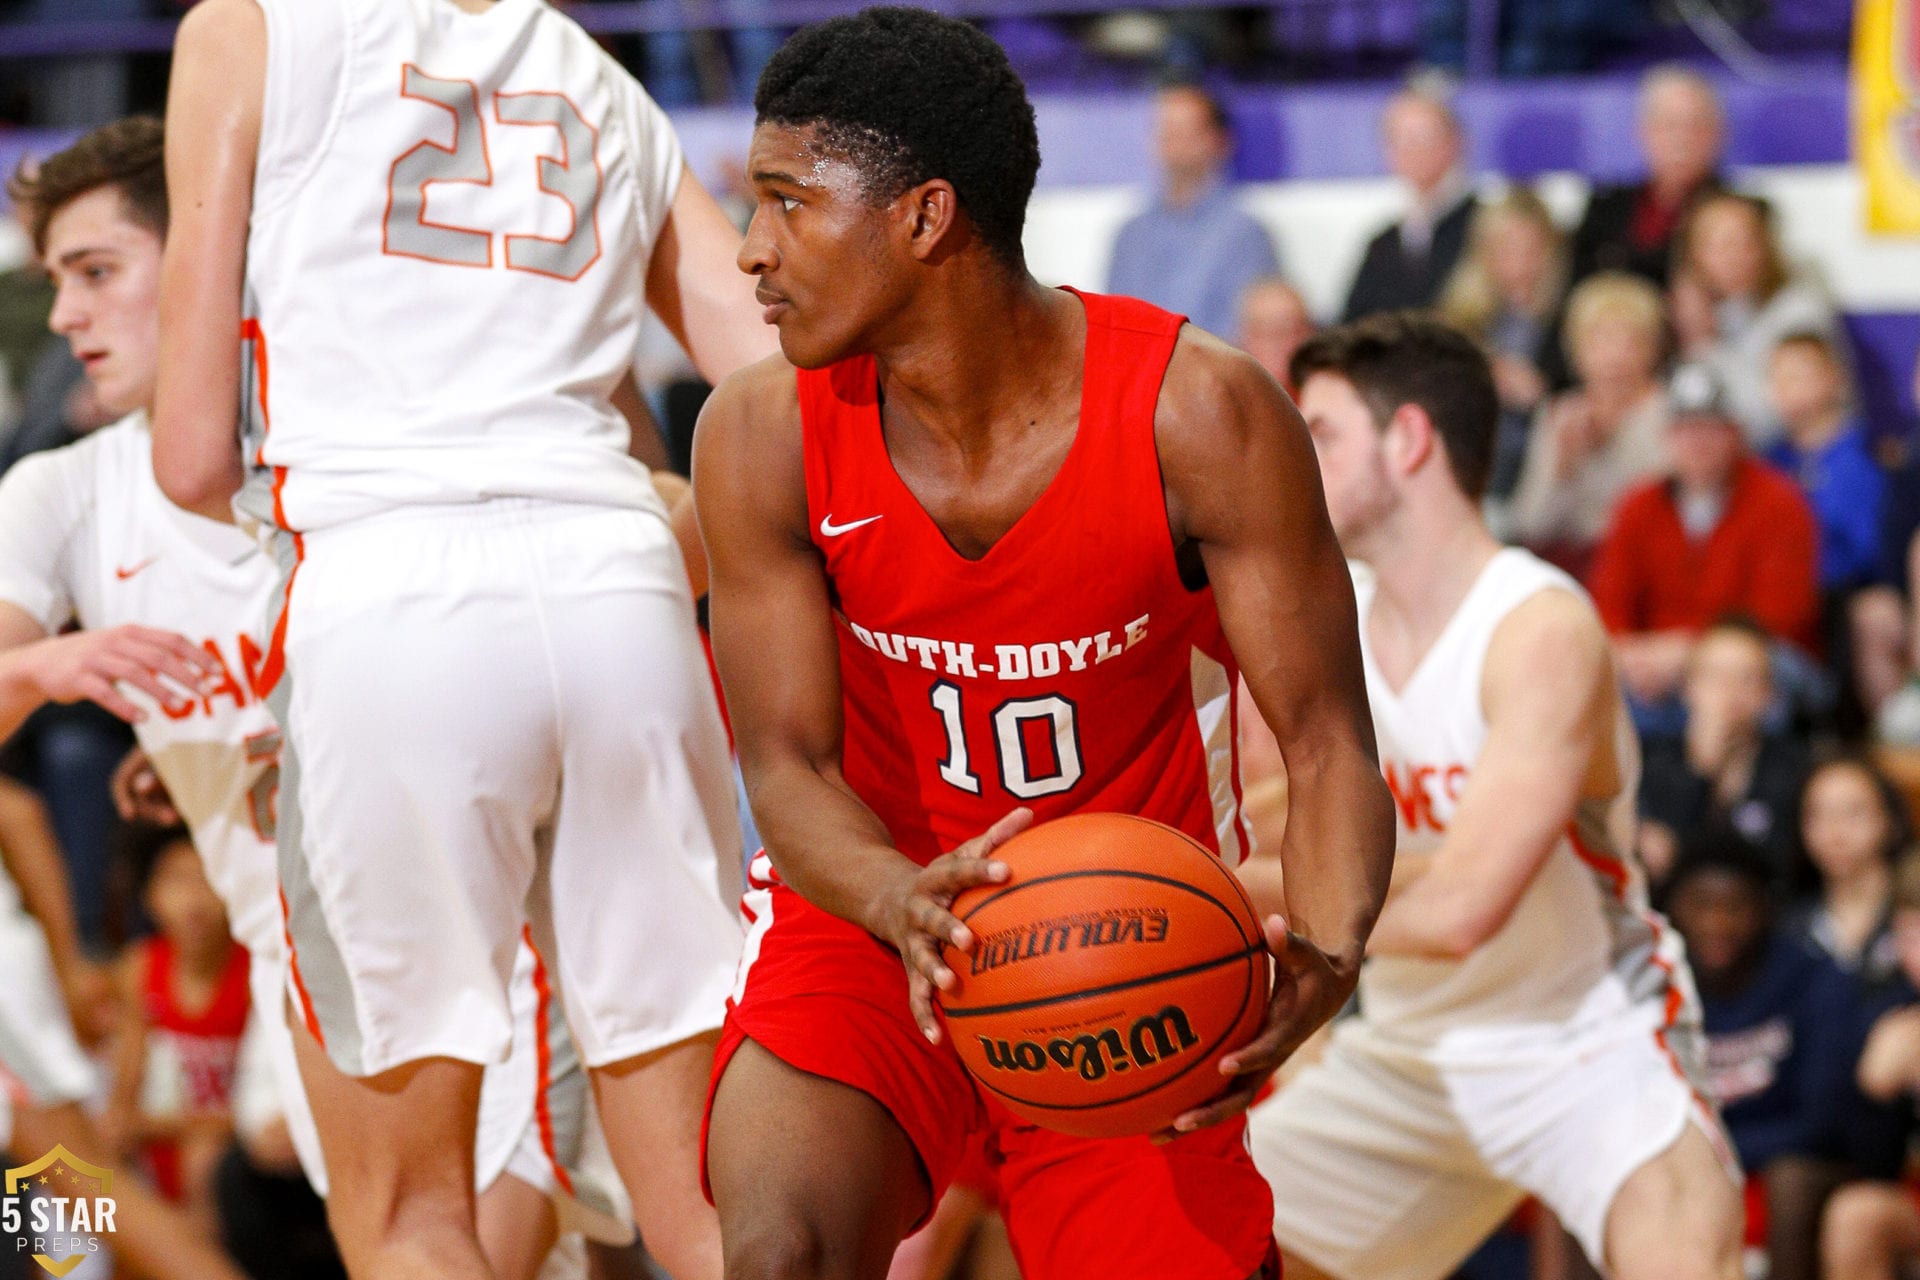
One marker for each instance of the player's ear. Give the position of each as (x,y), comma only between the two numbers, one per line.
(1411,439)
(933,212)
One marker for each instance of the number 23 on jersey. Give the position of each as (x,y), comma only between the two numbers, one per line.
(572,176)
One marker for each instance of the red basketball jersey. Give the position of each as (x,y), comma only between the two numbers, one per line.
(1069,669)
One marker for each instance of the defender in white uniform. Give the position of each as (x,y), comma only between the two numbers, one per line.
(87,538)
(1527,1025)
(445,218)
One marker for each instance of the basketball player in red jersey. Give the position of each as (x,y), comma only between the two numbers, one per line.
(983,553)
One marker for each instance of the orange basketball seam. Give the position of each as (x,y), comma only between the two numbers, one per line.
(1124,873)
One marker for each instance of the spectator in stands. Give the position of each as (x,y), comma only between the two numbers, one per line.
(1195,250)
(1682,132)
(1720,534)
(1407,264)
(184,997)
(1825,450)
(1727,769)
(1591,444)
(1274,321)
(1728,248)
(1506,294)
(1872,1228)
(1853,825)
(1778,1017)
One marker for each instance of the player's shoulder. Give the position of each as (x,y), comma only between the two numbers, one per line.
(762,398)
(98,455)
(749,435)
(1551,635)
(1208,376)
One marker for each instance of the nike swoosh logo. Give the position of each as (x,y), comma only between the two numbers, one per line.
(832,530)
(124,574)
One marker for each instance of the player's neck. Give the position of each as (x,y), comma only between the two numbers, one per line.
(977,350)
(1424,566)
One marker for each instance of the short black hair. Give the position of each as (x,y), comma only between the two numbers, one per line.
(908,96)
(140,844)
(1413,357)
(1719,847)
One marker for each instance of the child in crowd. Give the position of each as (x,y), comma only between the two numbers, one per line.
(1825,449)
(185,995)
(1726,768)
(1780,1022)
(1852,825)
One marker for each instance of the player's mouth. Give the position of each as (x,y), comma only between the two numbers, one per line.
(92,360)
(773,305)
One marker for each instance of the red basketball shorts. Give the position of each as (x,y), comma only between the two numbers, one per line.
(830,999)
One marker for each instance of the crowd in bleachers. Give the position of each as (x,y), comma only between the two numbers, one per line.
(1680,430)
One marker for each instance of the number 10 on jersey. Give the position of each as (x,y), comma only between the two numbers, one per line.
(1055,718)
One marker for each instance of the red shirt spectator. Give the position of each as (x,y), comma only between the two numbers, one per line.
(1719,534)
(1759,560)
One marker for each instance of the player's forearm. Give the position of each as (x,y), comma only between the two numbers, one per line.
(20,691)
(37,867)
(1338,851)
(827,845)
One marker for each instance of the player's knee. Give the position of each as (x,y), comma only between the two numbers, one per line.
(780,1247)
(1855,1226)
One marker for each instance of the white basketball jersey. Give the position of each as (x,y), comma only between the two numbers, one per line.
(1582,947)
(452,219)
(86,535)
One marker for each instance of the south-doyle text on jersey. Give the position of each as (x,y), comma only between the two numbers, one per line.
(1009,661)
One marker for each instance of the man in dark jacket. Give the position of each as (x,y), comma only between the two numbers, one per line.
(1630,227)
(1407,264)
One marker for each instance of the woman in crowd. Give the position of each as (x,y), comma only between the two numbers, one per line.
(1852,825)
(1728,257)
(1592,443)
(1506,292)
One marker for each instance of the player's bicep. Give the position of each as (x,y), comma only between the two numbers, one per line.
(1548,695)
(771,617)
(1283,588)
(214,105)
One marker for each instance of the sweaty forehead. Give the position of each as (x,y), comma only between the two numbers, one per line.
(799,154)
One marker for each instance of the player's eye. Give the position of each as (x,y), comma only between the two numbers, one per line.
(95,274)
(788,204)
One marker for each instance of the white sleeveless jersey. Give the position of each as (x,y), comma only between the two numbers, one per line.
(452,219)
(87,536)
(1581,949)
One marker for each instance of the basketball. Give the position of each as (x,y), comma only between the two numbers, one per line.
(1108,976)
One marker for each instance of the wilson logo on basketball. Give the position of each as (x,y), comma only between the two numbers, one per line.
(1151,1039)
(1064,933)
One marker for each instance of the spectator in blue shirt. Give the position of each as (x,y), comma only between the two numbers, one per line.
(1780,1023)
(1195,250)
(1825,450)
(1872,1226)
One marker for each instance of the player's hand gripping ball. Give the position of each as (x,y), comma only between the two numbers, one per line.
(1109,975)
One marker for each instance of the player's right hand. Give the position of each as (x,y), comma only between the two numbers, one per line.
(912,913)
(138,793)
(90,665)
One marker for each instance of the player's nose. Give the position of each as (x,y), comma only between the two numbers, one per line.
(757,255)
(67,315)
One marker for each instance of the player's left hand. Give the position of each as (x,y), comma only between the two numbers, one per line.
(1307,990)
